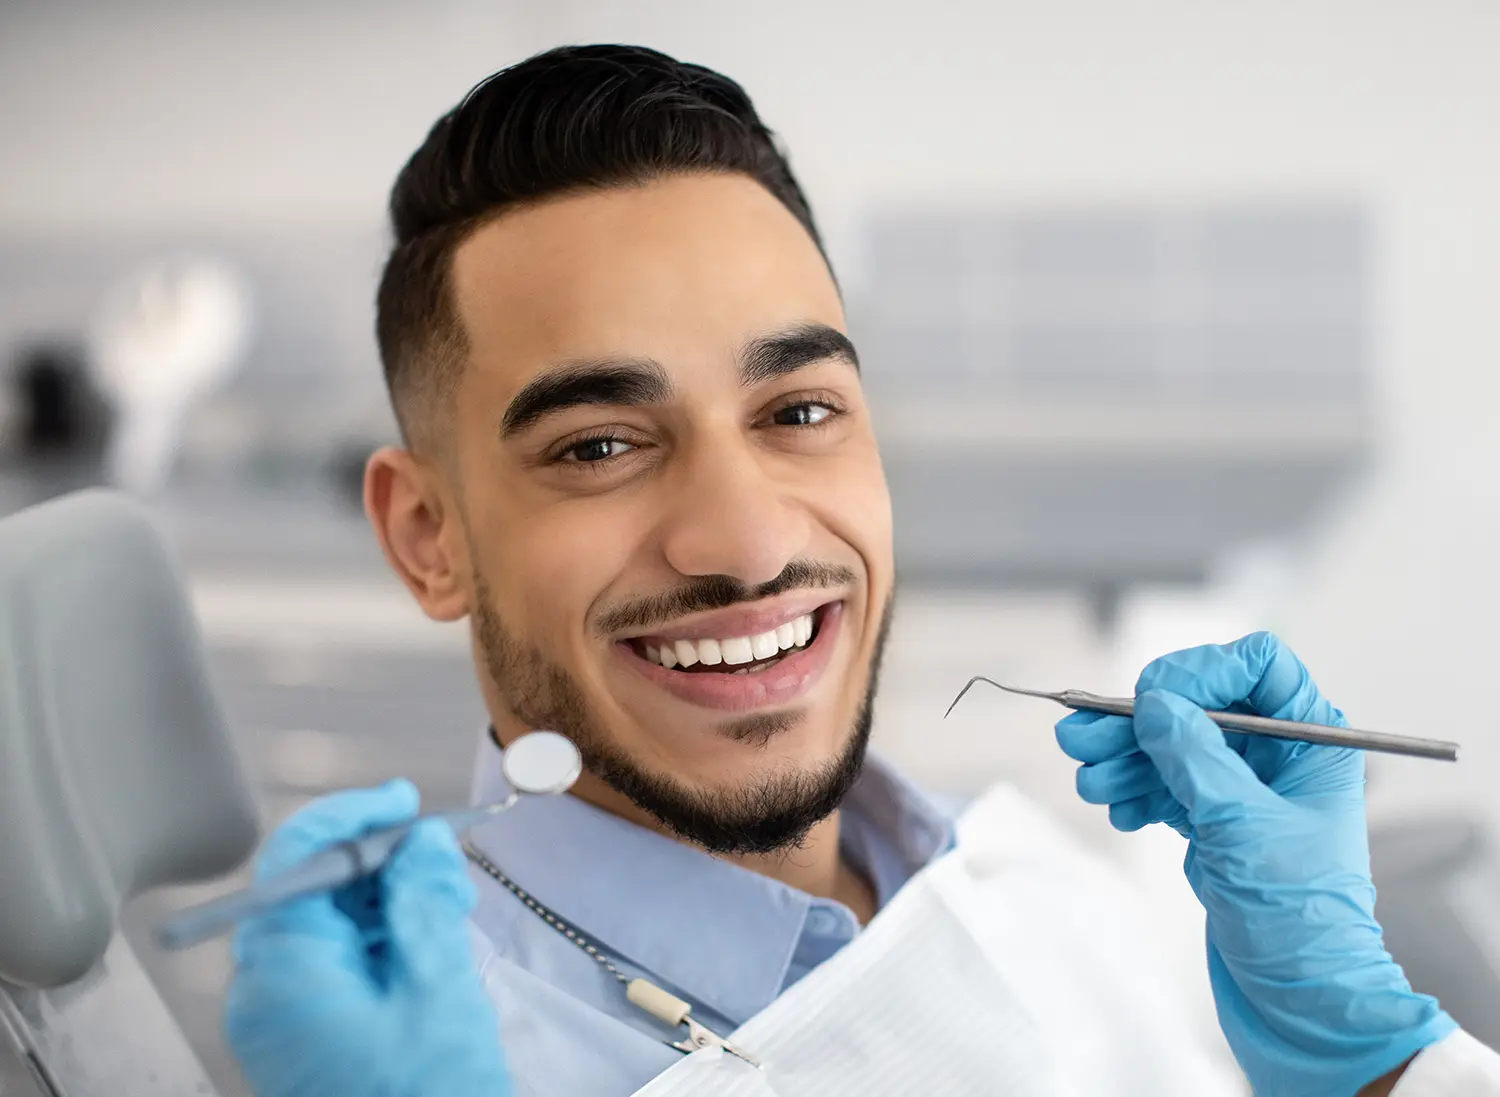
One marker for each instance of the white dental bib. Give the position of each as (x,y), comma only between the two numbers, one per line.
(1012,965)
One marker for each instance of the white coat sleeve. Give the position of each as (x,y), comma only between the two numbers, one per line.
(1456,1065)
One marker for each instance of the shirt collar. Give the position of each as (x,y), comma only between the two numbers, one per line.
(683,915)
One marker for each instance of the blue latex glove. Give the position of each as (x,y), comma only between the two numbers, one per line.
(1311,1002)
(370,991)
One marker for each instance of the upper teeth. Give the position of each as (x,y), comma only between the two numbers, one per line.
(736,649)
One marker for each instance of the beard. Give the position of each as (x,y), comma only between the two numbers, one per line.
(769,813)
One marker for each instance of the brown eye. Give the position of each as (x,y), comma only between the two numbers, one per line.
(801,415)
(595,449)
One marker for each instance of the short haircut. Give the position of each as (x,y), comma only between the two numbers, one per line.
(569,120)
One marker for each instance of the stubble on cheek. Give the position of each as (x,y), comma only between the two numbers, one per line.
(539,693)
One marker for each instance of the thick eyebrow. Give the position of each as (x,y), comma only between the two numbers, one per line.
(771,356)
(621,382)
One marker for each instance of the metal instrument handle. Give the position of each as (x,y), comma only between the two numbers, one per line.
(1249,724)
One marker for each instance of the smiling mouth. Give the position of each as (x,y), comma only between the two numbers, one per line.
(732,655)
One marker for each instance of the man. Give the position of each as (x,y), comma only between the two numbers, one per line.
(639,461)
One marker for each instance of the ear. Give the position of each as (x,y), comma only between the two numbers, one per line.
(419,530)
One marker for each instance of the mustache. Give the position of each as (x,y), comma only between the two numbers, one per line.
(705,592)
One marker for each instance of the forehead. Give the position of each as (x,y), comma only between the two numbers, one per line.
(682,269)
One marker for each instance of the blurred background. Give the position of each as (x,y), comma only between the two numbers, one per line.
(1178,318)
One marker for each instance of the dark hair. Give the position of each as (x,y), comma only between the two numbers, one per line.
(570,119)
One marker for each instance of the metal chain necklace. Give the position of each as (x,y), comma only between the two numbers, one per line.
(642,993)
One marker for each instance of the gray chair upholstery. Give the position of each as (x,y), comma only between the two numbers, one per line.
(117,774)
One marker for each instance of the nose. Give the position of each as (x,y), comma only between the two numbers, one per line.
(733,516)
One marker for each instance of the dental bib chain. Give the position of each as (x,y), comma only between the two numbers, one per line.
(561,925)
(641,993)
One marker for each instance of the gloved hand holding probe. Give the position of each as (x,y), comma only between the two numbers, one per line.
(370,991)
(1307,995)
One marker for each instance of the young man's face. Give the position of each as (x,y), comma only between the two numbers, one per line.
(660,453)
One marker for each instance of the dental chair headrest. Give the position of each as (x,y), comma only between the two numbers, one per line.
(117,771)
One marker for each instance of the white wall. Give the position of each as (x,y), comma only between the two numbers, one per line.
(160,112)
(156,113)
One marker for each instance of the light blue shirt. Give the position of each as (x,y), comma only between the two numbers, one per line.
(724,938)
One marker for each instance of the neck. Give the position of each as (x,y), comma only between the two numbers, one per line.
(811,866)
(818,867)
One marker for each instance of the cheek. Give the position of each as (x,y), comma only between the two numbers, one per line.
(558,562)
(857,505)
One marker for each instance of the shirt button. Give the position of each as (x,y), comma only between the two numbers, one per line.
(823,922)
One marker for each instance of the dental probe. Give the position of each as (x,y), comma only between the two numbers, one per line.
(540,763)
(1437,749)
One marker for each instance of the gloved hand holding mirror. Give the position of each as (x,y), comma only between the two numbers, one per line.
(369,990)
(369,987)
(542,763)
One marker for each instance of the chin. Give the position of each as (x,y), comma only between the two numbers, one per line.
(780,785)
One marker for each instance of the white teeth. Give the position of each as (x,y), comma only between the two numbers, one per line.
(736,651)
(803,626)
(740,649)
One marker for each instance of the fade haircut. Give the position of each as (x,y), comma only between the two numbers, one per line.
(569,120)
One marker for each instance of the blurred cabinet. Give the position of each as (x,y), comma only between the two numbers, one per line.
(1102,397)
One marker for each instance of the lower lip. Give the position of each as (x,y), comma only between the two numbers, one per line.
(781,684)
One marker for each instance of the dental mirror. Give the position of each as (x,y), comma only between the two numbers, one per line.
(541,763)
